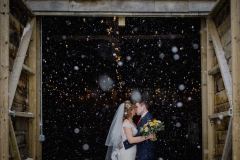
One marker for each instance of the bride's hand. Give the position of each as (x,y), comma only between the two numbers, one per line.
(151,136)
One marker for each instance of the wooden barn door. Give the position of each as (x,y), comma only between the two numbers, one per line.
(19,112)
(222,81)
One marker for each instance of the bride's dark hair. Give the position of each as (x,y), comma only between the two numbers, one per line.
(128,107)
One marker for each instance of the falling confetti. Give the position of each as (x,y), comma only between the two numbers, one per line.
(135,96)
(105,83)
(76,130)
(176,56)
(85,147)
(181,87)
(174,49)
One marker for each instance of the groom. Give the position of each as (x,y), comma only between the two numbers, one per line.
(145,149)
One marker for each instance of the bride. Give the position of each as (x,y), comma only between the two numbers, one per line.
(123,128)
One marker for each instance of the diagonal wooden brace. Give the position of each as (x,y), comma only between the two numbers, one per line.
(227,78)
(14,151)
(18,63)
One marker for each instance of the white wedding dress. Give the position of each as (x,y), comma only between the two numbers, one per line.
(130,153)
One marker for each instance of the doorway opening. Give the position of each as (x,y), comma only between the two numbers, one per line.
(157,59)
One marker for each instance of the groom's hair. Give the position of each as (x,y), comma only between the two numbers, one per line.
(144,103)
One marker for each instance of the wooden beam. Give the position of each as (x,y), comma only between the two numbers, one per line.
(13,143)
(19,60)
(28,70)
(4,78)
(126,7)
(210,95)
(235,31)
(25,114)
(38,90)
(32,95)
(219,115)
(214,70)
(204,87)
(220,54)
(126,14)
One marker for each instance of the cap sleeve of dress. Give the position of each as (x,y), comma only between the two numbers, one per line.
(127,125)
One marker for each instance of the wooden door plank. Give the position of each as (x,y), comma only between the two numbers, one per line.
(210,96)
(32,95)
(226,38)
(204,87)
(19,60)
(4,78)
(235,29)
(38,91)
(223,28)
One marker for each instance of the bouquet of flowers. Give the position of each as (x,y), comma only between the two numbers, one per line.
(152,127)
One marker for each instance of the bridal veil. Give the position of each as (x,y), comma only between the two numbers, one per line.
(114,135)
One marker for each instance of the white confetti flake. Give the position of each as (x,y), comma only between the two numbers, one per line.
(174,49)
(85,147)
(181,87)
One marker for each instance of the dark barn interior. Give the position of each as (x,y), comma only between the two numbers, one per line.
(157,57)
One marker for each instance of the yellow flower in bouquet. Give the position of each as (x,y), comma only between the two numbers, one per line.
(152,127)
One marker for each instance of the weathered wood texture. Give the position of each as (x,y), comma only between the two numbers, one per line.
(218,82)
(18,62)
(222,124)
(13,144)
(32,95)
(18,18)
(204,87)
(235,27)
(20,125)
(21,101)
(4,79)
(221,38)
(222,107)
(224,26)
(210,96)
(119,7)
(38,91)
(220,97)
(222,14)
(227,78)
(228,52)
(15,25)
(220,136)
(226,38)
(227,150)
(216,8)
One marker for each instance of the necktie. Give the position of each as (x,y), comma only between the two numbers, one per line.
(139,120)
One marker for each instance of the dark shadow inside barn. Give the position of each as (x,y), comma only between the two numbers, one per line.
(159,57)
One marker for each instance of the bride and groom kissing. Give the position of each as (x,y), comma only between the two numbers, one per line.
(124,139)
